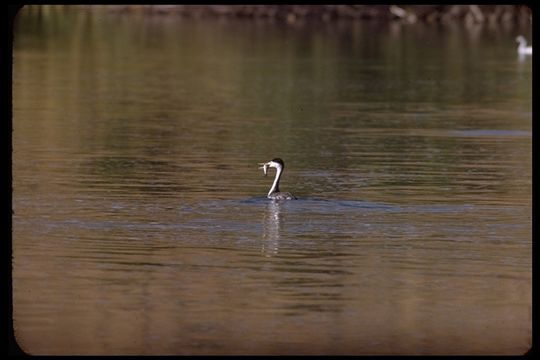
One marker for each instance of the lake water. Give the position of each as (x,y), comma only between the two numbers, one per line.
(141,224)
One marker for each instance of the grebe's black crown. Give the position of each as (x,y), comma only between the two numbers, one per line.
(279,161)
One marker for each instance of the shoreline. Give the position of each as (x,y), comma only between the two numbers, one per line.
(469,14)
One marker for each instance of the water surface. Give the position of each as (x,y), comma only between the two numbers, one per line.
(140,220)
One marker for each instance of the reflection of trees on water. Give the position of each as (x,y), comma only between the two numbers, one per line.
(375,118)
(271,229)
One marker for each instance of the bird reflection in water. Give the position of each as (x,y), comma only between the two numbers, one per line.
(271,229)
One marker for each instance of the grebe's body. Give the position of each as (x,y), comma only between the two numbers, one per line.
(523,49)
(274,192)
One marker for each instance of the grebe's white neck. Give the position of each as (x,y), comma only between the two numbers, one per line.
(275,185)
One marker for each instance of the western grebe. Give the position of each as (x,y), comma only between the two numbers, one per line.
(274,192)
(522,47)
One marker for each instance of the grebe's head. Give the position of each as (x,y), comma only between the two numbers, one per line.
(520,39)
(275,163)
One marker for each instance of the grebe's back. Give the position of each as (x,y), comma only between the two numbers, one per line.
(282,196)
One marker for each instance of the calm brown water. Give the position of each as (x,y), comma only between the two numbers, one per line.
(140,220)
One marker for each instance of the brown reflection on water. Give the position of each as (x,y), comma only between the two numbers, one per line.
(140,220)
